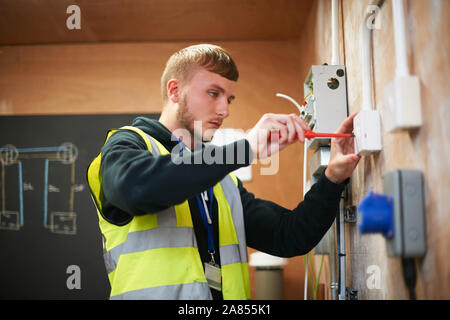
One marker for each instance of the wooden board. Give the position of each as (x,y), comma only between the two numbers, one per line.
(44,21)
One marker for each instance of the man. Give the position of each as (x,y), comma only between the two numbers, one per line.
(177,228)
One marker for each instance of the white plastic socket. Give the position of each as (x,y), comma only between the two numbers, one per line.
(403,106)
(367,130)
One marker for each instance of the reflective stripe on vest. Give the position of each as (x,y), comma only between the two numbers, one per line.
(155,256)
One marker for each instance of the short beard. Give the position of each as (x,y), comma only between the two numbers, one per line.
(185,119)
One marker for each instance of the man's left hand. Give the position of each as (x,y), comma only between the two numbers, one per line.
(343,160)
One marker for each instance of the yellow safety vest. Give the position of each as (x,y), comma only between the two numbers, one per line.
(155,256)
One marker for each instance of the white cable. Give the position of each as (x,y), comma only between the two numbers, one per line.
(332,245)
(305,158)
(291,100)
(401,57)
(334,61)
(341,249)
(305,152)
(334,32)
(305,293)
(366,58)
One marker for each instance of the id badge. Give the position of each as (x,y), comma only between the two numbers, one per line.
(213,276)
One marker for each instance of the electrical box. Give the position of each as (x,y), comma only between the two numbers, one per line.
(398,214)
(403,105)
(325,89)
(406,189)
(367,130)
(325,108)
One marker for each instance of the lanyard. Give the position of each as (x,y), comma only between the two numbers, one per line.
(205,214)
(206,218)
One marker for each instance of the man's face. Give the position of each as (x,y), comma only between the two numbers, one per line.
(205,98)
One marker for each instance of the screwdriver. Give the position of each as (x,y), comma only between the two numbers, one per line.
(309,134)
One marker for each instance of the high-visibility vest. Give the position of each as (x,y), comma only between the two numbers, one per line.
(155,256)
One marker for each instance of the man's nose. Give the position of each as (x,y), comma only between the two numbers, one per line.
(223,108)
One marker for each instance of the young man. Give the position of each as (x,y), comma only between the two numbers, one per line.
(177,228)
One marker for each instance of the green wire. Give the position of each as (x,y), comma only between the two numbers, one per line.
(314,280)
(318,277)
(314,277)
(304,264)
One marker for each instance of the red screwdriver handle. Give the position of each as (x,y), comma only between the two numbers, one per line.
(309,134)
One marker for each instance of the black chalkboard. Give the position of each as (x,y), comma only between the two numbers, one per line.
(50,242)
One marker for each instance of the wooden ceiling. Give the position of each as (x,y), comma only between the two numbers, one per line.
(44,21)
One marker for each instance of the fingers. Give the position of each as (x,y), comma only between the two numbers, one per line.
(278,132)
(300,132)
(295,125)
(294,129)
(300,127)
(303,124)
(352,158)
(347,125)
(290,131)
(341,167)
(274,132)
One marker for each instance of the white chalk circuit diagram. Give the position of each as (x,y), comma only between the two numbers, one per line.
(58,161)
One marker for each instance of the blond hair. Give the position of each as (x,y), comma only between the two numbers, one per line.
(211,57)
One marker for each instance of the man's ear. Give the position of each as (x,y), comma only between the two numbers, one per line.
(173,90)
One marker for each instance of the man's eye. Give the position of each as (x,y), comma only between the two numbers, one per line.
(213,94)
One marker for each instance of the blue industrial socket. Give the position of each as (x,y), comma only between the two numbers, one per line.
(377,214)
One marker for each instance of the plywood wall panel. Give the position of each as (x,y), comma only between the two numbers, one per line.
(426,149)
(44,21)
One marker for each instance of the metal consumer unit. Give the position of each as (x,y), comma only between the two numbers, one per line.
(325,89)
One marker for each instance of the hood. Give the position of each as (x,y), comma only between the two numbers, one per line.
(157,130)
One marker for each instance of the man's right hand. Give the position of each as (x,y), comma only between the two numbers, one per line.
(274,132)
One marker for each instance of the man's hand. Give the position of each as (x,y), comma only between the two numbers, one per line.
(274,132)
(343,160)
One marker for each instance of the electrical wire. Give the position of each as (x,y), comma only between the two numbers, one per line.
(281,95)
(341,250)
(311,276)
(401,57)
(305,289)
(307,258)
(334,32)
(316,284)
(410,276)
(301,108)
(305,158)
(3,187)
(313,282)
